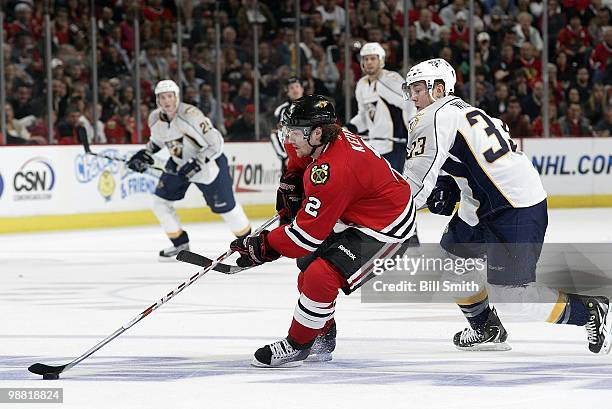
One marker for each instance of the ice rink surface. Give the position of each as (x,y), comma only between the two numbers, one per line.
(62,292)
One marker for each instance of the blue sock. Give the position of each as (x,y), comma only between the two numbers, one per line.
(476,313)
(575,312)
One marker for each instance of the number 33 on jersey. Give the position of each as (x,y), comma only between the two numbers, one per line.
(452,137)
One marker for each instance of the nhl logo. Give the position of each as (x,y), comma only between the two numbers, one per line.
(319,175)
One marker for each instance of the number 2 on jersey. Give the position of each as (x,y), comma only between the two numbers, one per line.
(312,207)
(505,145)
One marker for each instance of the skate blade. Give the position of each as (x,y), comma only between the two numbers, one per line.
(489,346)
(291,364)
(607,345)
(324,357)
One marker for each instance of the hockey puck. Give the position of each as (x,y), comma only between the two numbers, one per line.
(51,376)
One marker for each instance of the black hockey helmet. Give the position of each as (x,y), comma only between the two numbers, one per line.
(309,111)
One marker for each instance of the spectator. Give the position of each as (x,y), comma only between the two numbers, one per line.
(23,104)
(554,126)
(67,129)
(190,76)
(582,84)
(601,58)
(244,97)
(565,71)
(255,12)
(390,34)
(525,32)
(574,123)
(108,99)
(604,127)
(425,53)
(208,104)
(489,55)
(243,129)
(507,66)
(426,30)
(499,104)
(556,22)
(532,104)
(144,125)
(531,66)
(517,122)
(23,22)
(16,132)
(595,106)
(460,32)
(449,13)
(322,34)
(86,121)
(112,65)
(333,15)
(156,67)
(311,84)
(574,40)
(119,127)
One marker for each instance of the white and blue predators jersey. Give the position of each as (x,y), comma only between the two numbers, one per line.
(189,135)
(452,137)
(382,110)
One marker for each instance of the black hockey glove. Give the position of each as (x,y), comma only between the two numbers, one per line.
(289,197)
(189,169)
(140,161)
(444,196)
(254,250)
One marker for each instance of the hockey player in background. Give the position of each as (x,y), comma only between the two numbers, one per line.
(383,113)
(356,208)
(294,90)
(196,156)
(459,153)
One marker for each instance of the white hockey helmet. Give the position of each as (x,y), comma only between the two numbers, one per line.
(430,71)
(373,49)
(167,86)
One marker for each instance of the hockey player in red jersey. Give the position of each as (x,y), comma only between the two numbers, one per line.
(356,208)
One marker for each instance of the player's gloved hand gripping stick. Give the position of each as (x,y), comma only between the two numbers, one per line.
(52,372)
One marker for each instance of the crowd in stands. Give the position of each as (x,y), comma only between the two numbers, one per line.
(508,66)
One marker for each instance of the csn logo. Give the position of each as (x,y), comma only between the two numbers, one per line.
(34,180)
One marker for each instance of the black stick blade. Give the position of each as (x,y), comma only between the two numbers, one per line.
(187,256)
(42,369)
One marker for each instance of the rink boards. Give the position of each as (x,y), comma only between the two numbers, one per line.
(59,187)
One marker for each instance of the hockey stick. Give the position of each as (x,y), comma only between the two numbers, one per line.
(52,372)
(85,142)
(187,256)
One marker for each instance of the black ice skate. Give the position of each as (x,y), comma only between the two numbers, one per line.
(279,354)
(170,253)
(599,327)
(489,337)
(324,345)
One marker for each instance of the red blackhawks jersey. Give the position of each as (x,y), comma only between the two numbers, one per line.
(348,185)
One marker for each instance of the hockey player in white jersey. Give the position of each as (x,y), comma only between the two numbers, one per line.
(382,111)
(294,90)
(196,156)
(459,153)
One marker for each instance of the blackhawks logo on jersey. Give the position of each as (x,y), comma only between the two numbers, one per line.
(319,175)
